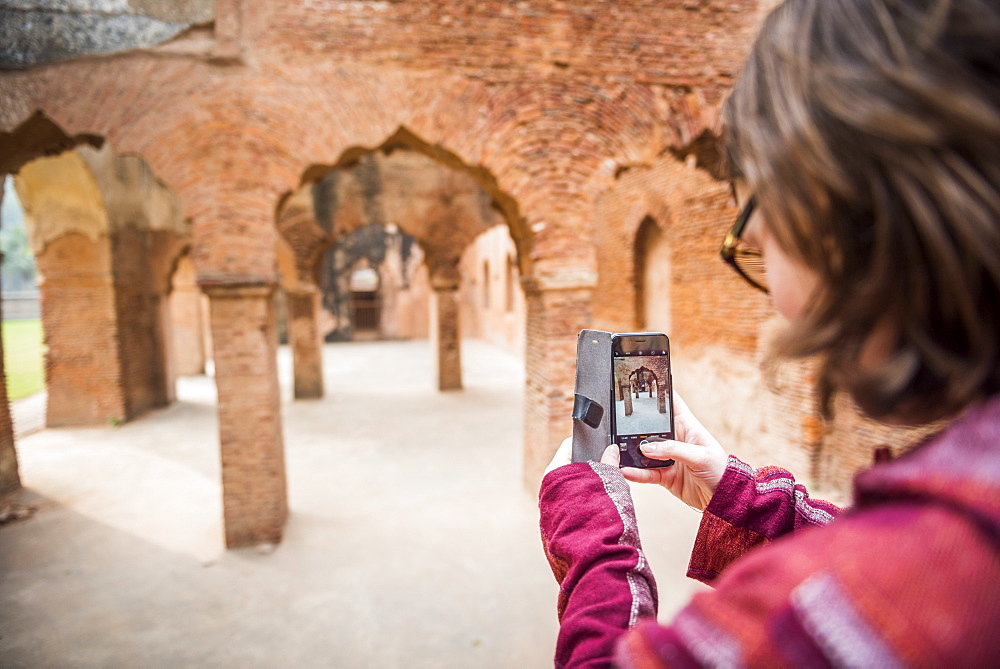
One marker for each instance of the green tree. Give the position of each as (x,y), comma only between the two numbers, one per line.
(18,269)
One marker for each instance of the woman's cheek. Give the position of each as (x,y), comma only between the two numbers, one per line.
(792,284)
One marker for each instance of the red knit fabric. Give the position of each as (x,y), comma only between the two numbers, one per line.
(605,585)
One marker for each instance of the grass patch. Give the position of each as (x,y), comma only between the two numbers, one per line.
(23,357)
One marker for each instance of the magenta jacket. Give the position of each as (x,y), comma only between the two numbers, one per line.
(909,576)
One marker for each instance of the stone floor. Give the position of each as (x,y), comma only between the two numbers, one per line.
(411,542)
(28,414)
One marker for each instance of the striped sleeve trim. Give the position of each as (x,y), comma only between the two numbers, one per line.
(773,479)
(640,578)
(830,619)
(710,645)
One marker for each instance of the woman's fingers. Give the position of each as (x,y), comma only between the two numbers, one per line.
(693,455)
(694,475)
(642,475)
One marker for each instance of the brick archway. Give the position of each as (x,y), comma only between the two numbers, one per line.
(406,185)
(34,137)
(105,235)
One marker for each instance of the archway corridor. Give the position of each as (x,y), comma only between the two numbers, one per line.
(398,221)
(410,539)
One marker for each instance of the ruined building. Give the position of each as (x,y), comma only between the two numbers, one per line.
(171,153)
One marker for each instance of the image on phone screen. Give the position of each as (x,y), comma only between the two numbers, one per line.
(641,390)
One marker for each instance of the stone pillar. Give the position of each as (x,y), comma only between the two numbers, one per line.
(10,480)
(244,335)
(83,371)
(661,396)
(448,335)
(628,403)
(307,346)
(554,317)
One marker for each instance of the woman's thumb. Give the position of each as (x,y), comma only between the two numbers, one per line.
(611,456)
(669,449)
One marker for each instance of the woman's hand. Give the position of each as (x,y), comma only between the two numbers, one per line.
(699,460)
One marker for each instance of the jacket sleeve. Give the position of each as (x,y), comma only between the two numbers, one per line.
(751,507)
(591,541)
(843,595)
(905,584)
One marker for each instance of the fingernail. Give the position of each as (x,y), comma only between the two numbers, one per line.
(651,447)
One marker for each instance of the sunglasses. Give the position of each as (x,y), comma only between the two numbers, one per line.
(746,260)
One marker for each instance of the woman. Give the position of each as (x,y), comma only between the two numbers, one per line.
(868,133)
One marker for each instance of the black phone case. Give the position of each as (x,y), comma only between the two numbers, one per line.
(591,405)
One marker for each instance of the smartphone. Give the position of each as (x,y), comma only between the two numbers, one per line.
(642,395)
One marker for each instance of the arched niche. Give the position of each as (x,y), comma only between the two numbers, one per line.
(653,268)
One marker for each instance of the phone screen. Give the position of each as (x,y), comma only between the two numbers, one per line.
(641,387)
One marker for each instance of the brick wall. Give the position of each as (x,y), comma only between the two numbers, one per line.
(491,296)
(675,42)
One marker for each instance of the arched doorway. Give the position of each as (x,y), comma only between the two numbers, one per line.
(365,301)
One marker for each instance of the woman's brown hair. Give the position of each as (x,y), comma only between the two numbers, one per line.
(869,133)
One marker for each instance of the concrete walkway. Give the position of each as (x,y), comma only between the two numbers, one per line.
(411,542)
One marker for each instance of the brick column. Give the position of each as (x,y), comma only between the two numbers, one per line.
(307,346)
(628,402)
(555,314)
(83,372)
(448,335)
(10,480)
(244,335)
(661,396)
